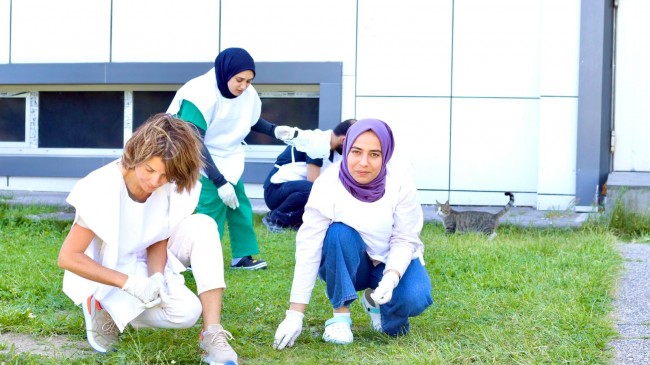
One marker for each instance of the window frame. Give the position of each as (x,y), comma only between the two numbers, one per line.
(28,120)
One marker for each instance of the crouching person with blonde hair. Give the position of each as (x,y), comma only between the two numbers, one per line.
(135,232)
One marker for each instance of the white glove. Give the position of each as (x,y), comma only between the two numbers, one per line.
(284,132)
(145,289)
(162,283)
(227,194)
(384,291)
(288,330)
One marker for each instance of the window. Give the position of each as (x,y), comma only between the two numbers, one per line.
(81,119)
(148,103)
(14,120)
(296,109)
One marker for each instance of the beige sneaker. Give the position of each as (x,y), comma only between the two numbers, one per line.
(214,342)
(101,330)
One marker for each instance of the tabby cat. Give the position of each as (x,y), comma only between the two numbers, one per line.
(472,221)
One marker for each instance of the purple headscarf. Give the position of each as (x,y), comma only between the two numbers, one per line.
(229,63)
(375,189)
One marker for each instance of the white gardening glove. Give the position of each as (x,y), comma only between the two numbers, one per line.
(384,291)
(162,284)
(288,330)
(284,132)
(145,289)
(227,194)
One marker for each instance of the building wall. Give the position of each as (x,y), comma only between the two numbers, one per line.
(482,96)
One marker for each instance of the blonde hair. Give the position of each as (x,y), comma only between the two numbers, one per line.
(176,142)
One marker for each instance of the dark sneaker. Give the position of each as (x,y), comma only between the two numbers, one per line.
(249,263)
(101,330)
(372,309)
(214,342)
(272,226)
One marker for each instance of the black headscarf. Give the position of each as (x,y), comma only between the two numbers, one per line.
(229,63)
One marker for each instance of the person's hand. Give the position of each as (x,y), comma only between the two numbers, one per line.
(145,289)
(162,284)
(284,132)
(227,194)
(384,291)
(288,330)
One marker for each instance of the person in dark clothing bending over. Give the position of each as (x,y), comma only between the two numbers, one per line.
(288,184)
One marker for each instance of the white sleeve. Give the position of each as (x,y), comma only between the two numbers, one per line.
(309,242)
(79,221)
(407,225)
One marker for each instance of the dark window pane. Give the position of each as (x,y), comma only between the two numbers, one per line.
(296,112)
(148,103)
(81,119)
(12,119)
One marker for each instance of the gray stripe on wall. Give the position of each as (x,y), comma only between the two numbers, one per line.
(329,75)
(595,98)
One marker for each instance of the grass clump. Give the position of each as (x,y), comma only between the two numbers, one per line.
(531,296)
(626,224)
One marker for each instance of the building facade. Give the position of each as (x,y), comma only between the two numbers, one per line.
(483,97)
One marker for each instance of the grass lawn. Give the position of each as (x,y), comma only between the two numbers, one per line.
(529,296)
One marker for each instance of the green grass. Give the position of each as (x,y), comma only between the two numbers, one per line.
(528,297)
(626,224)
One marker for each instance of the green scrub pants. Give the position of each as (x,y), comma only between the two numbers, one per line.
(240,221)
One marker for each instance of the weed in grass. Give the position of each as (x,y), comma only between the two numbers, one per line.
(626,224)
(557,212)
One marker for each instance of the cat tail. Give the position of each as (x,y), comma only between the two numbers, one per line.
(510,204)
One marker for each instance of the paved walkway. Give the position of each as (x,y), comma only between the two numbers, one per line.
(632,303)
(632,315)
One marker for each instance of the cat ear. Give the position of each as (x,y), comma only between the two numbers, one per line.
(437,202)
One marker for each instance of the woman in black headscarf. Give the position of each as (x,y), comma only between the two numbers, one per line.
(225,107)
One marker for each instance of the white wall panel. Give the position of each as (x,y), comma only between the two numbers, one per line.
(165,30)
(348,102)
(421,130)
(61,31)
(494,144)
(292,30)
(495,199)
(558,133)
(560,47)
(405,49)
(4,30)
(496,48)
(60,184)
(632,89)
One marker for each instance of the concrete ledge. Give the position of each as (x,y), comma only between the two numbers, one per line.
(632,188)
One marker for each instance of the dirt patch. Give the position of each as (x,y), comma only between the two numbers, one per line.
(52,346)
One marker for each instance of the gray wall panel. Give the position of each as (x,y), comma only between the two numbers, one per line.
(328,75)
(595,98)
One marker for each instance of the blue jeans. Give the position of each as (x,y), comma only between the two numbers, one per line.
(346,269)
(287,202)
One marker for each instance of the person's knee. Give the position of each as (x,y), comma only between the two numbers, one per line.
(341,237)
(201,224)
(191,310)
(412,303)
(338,229)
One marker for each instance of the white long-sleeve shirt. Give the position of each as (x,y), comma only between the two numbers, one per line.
(390,226)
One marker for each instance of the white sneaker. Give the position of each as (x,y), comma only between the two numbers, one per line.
(214,342)
(337,330)
(372,309)
(101,330)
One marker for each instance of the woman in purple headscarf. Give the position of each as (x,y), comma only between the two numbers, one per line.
(361,232)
